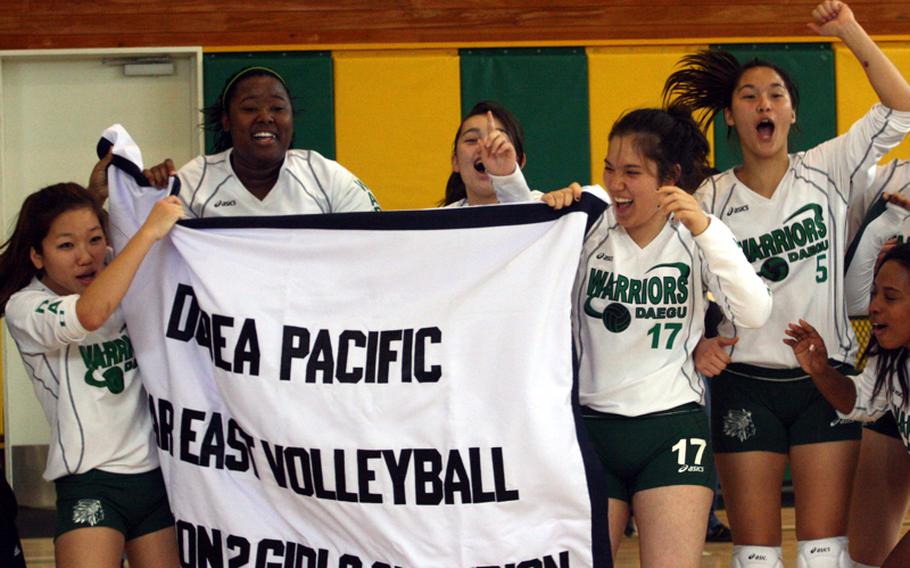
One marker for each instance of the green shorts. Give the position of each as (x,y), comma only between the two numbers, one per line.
(752,414)
(655,450)
(134,504)
(886,425)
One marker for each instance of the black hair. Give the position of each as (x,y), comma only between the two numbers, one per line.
(891,362)
(672,139)
(212,114)
(706,80)
(455,189)
(32,225)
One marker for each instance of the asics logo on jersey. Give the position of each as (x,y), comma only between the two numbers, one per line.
(230,203)
(604,256)
(691,468)
(734,210)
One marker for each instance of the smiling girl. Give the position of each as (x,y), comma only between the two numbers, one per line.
(881,488)
(61,307)
(638,312)
(884,385)
(487,157)
(254,170)
(789,212)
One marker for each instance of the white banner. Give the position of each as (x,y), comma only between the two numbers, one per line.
(366,389)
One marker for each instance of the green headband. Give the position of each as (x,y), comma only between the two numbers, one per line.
(243,74)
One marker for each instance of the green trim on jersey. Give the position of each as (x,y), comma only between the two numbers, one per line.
(877,210)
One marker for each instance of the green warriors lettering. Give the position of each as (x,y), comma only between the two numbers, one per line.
(107,362)
(653,297)
(801,236)
(903,425)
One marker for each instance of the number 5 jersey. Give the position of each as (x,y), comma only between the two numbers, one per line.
(796,239)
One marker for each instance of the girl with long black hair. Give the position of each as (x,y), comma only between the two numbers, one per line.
(788,212)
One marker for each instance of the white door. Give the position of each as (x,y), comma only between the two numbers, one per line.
(53,107)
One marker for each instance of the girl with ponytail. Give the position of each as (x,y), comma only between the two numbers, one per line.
(639,310)
(788,212)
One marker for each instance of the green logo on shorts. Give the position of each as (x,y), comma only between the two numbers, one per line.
(738,424)
(88,512)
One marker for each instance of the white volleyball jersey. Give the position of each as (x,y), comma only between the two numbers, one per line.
(308,183)
(640,312)
(869,408)
(893,177)
(796,240)
(88,385)
(879,222)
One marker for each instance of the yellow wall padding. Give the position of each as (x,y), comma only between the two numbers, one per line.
(621,79)
(854,94)
(396,113)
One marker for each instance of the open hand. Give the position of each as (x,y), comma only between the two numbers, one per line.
(808,346)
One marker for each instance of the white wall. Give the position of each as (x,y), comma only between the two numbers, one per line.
(53,108)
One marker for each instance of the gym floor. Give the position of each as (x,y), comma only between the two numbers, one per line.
(39,552)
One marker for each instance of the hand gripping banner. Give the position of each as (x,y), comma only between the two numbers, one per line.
(366,389)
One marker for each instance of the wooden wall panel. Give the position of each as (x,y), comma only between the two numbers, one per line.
(302,23)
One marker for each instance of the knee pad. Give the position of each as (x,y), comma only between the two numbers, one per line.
(756,557)
(823,553)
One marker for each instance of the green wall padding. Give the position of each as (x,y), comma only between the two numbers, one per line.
(309,76)
(547,89)
(811,66)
